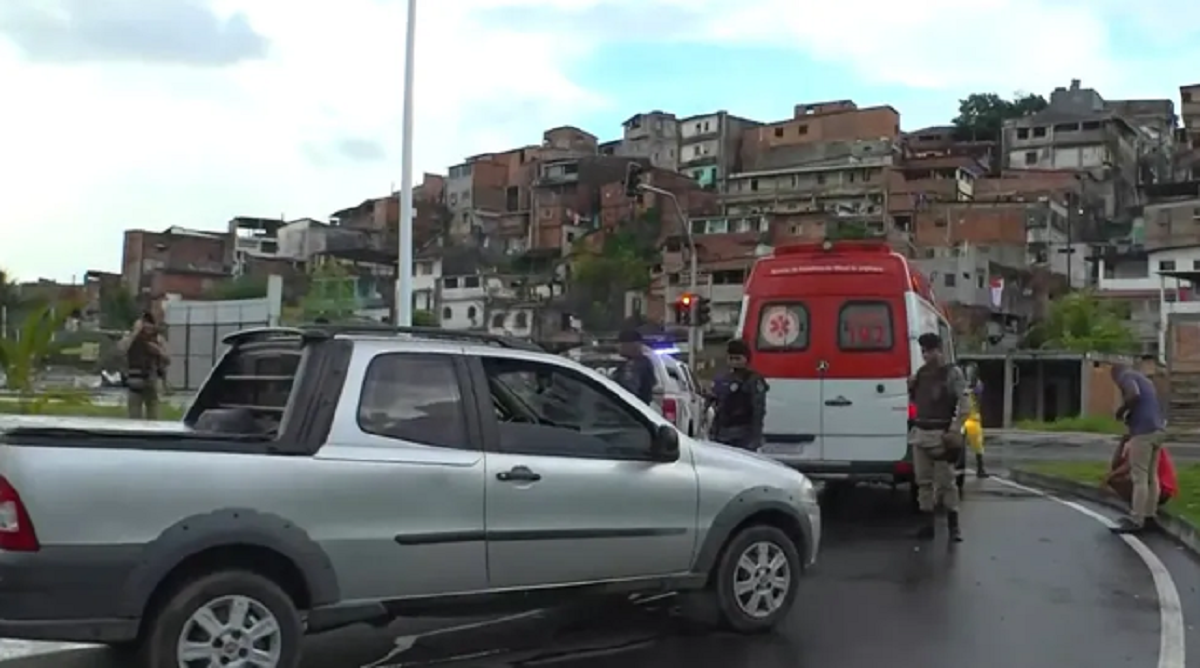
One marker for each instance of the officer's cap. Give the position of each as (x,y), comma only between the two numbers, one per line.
(929,341)
(737,347)
(629,336)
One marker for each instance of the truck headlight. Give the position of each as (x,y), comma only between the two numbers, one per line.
(808,491)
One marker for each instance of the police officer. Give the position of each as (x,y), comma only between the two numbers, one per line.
(636,373)
(741,401)
(939,392)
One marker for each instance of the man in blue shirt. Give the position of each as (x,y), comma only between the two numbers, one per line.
(1142,415)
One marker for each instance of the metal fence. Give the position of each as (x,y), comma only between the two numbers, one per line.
(195,330)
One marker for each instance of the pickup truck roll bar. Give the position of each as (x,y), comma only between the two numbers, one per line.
(323,332)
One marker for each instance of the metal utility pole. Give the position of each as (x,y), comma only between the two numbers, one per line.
(695,336)
(404,267)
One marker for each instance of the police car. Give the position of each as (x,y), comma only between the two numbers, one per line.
(676,392)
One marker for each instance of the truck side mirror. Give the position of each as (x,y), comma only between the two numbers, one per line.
(665,447)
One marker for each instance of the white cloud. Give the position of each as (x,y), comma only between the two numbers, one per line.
(94,148)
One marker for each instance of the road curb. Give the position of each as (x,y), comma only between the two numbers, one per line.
(1181,530)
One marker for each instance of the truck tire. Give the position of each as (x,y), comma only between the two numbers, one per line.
(201,618)
(757,579)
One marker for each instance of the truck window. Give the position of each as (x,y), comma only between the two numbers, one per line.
(865,326)
(429,412)
(782,327)
(547,410)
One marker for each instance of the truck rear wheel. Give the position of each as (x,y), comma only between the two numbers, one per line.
(757,579)
(224,618)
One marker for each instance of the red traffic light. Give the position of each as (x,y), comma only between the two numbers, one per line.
(685,300)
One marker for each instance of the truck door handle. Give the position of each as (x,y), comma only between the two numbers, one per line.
(518,474)
(839,402)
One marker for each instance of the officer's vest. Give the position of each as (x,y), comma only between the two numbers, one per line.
(933,397)
(737,404)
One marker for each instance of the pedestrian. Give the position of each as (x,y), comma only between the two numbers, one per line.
(146,363)
(1119,481)
(636,373)
(740,396)
(1142,416)
(939,392)
(973,426)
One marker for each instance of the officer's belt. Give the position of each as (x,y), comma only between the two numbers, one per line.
(932,425)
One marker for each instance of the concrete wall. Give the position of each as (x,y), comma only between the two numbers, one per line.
(195,330)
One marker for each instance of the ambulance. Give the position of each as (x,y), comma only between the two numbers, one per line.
(833,327)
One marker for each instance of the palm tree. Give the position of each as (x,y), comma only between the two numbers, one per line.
(26,354)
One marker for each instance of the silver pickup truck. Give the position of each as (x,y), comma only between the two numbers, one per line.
(327,477)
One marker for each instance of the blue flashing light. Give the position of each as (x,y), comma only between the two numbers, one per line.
(667,351)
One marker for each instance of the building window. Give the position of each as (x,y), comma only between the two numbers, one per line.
(471,282)
(1039,132)
(498,321)
(802,129)
(1186,95)
(522,320)
(950,280)
(471,313)
(778,132)
(1166,265)
(1022,133)
(450,283)
(1031,157)
(447,313)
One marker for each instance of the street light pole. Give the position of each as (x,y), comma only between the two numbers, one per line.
(404,268)
(695,337)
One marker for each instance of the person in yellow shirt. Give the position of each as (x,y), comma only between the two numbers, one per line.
(973,425)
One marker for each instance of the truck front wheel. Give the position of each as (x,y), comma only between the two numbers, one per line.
(757,579)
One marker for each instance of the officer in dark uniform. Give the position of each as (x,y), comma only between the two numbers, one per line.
(741,401)
(939,392)
(636,373)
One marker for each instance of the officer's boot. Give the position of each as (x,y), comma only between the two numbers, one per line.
(980,472)
(927,529)
(953,526)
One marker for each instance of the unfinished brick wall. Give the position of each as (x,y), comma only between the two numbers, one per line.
(1183,346)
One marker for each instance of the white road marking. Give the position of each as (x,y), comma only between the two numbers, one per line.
(1171,642)
(16,649)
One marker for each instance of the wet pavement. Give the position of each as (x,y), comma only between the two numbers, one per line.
(1036,583)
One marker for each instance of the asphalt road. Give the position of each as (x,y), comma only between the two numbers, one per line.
(1036,583)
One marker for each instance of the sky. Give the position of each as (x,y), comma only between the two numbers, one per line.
(144,114)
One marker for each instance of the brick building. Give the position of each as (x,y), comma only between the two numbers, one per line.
(1188,166)
(822,122)
(174,261)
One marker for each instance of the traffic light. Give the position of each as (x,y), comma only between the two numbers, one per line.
(703,311)
(683,309)
(633,179)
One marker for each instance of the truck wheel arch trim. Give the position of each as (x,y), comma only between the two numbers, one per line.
(223,528)
(738,510)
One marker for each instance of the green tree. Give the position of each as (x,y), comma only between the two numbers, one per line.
(425,319)
(332,293)
(27,353)
(1082,322)
(118,309)
(601,277)
(981,115)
